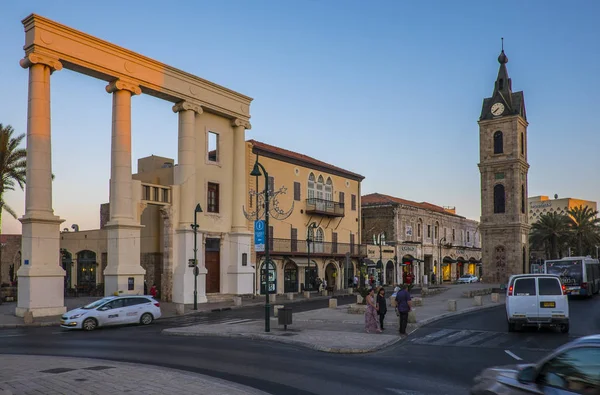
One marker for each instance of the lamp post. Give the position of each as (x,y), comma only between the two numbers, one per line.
(439,275)
(313,225)
(256,172)
(196,270)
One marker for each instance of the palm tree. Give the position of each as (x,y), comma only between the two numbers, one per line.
(550,233)
(585,228)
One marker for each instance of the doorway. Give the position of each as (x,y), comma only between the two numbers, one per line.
(389,273)
(86,272)
(290,278)
(212,260)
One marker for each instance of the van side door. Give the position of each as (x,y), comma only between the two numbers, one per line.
(551,299)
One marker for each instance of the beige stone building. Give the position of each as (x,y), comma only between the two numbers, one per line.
(425,239)
(503,167)
(539,205)
(317,234)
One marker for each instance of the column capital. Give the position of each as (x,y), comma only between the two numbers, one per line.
(34,58)
(241,122)
(123,85)
(186,105)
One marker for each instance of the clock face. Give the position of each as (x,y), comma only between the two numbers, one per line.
(497,109)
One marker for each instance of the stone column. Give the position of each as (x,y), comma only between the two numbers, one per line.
(166,291)
(41,278)
(123,273)
(240,277)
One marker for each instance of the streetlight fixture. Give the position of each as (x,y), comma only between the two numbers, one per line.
(194,226)
(256,172)
(439,274)
(312,226)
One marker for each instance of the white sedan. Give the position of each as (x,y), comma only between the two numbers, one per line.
(468,278)
(113,310)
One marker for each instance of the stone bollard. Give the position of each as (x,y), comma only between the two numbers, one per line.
(307,294)
(324,292)
(350,291)
(333,303)
(478,300)
(28,318)
(412,317)
(417,301)
(272,298)
(290,296)
(495,297)
(237,300)
(276,309)
(451,305)
(359,299)
(179,308)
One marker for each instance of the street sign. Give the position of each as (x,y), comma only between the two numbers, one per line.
(259,236)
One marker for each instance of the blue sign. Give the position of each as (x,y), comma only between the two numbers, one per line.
(259,236)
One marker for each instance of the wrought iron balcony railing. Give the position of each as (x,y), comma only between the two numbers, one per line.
(300,247)
(324,207)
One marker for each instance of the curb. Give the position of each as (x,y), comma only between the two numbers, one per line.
(32,325)
(260,336)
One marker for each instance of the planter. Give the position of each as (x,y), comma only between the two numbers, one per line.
(357,309)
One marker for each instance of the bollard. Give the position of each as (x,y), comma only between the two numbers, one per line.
(495,297)
(451,305)
(307,294)
(290,296)
(276,309)
(324,292)
(350,291)
(179,308)
(272,298)
(417,301)
(333,303)
(237,300)
(478,300)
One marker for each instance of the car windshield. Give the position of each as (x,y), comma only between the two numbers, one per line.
(97,303)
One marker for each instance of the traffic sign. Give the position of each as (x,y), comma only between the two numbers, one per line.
(259,236)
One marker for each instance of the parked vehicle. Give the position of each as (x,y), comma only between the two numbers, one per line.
(113,310)
(571,369)
(536,300)
(468,278)
(580,275)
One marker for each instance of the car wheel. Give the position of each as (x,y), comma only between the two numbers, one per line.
(89,324)
(511,327)
(146,319)
(564,328)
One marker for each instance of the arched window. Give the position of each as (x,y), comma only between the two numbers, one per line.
(498,143)
(311,186)
(318,240)
(522,199)
(499,199)
(522,144)
(329,190)
(320,183)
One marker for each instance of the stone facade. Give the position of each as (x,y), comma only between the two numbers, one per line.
(11,256)
(503,167)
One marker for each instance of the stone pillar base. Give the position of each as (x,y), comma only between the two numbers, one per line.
(333,303)
(240,278)
(123,259)
(41,293)
(120,283)
(183,276)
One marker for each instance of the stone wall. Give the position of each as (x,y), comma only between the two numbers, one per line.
(376,220)
(152,263)
(104,214)
(11,255)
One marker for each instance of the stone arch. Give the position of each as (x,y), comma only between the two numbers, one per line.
(332,274)
(390,271)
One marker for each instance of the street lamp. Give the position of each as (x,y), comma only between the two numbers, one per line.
(439,274)
(256,172)
(196,270)
(312,226)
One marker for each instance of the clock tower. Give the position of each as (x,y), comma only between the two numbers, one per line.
(503,166)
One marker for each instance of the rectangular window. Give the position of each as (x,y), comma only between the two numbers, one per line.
(213,147)
(165,195)
(294,241)
(453,235)
(429,231)
(342,198)
(244,259)
(334,243)
(525,287)
(296,191)
(468,237)
(418,230)
(353,202)
(549,286)
(271,184)
(213,198)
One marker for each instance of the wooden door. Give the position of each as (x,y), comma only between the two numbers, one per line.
(213,266)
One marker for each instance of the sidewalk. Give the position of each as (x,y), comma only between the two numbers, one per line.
(337,331)
(28,374)
(8,319)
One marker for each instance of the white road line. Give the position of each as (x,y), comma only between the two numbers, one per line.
(12,335)
(513,355)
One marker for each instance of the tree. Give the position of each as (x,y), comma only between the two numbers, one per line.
(550,233)
(585,229)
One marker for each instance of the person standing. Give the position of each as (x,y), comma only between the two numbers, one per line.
(381,307)
(153,291)
(355,281)
(403,301)
(371,313)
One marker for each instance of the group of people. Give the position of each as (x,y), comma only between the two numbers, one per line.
(377,305)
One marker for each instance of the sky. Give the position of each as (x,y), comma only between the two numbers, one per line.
(389,89)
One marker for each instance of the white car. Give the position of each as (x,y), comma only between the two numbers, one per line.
(113,310)
(468,278)
(536,300)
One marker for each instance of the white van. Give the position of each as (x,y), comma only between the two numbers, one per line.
(536,300)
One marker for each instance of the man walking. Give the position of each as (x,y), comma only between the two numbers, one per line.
(403,301)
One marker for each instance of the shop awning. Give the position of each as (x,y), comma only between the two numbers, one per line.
(461,260)
(449,260)
(369,262)
(303,261)
(473,260)
(379,264)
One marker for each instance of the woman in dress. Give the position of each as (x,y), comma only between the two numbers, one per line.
(371,313)
(381,306)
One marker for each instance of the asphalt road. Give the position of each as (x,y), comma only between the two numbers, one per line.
(441,358)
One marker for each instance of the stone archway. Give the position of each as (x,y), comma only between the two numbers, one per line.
(331,275)
(389,273)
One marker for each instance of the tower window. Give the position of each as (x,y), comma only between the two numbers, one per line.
(522,144)
(499,199)
(501,84)
(523,199)
(498,143)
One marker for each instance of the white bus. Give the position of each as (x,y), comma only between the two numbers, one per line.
(580,275)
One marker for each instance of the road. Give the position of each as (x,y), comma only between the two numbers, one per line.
(440,358)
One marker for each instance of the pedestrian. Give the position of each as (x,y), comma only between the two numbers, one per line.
(153,291)
(371,313)
(355,281)
(403,300)
(381,307)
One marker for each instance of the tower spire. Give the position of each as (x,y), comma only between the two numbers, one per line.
(503,85)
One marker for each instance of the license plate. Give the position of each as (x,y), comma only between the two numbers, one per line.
(550,305)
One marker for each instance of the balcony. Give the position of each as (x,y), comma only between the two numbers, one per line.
(324,207)
(299,248)
(156,194)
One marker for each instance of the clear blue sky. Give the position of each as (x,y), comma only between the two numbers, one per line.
(389,89)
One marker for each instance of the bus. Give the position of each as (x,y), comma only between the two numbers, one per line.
(580,275)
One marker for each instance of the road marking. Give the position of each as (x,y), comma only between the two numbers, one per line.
(513,355)
(404,392)
(12,335)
